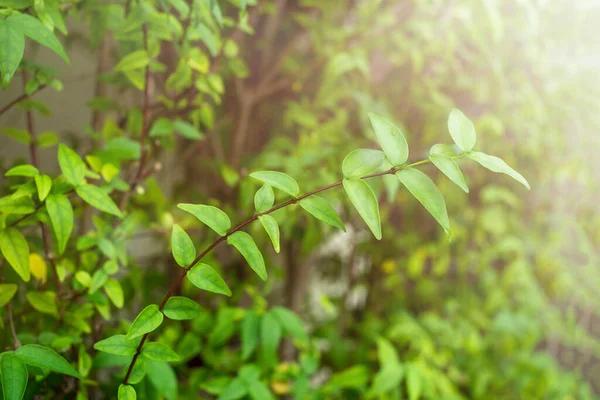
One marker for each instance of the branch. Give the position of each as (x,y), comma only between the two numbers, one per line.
(221,239)
(22,97)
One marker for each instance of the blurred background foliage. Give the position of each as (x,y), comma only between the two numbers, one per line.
(507,310)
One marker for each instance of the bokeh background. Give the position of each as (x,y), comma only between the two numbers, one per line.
(511,307)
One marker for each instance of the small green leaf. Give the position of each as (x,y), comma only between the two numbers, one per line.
(206,278)
(187,130)
(44,302)
(181,308)
(162,127)
(320,208)
(249,334)
(462,130)
(279,180)
(216,219)
(114,291)
(424,190)
(270,335)
(496,164)
(46,358)
(43,184)
(126,392)
(23,170)
(61,216)
(236,389)
(361,162)
(390,137)
(386,379)
(136,60)
(71,165)
(246,246)
(163,378)
(99,279)
(118,345)
(37,31)
(19,135)
(7,291)
(14,376)
(291,323)
(182,247)
(17,205)
(450,168)
(264,198)
(96,197)
(46,139)
(16,251)
(272,229)
(147,320)
(159,352)
(11,51)
(259,391)
(414,384)
(364,200)
(443,149)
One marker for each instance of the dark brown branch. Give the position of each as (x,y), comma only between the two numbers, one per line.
(221,239)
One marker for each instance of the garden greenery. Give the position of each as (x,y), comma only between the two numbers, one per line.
(62,279)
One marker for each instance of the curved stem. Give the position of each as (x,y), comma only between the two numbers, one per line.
(295,200)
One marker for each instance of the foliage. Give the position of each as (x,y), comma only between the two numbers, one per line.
(468,314)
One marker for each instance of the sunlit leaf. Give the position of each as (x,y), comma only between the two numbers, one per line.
(22,170)
(320,208)
(43,184)
(264,198)
(16,251)
(147,320)
(182,247)
(38,267)
(118,345)
(462,130)
(46,358)
(496,164)
(7,291)
(391,139)
(272,229)
(361,162)
(61,216)
(181,308)
(44,302)
(365,202)
(279,180)
(211,216)
(450,168)
(11,51)
(246,246)
(95,197)
(126,392)
(206,278)
(71,165)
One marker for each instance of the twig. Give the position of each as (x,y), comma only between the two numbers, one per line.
(22,97)
(13,332)
(221,239)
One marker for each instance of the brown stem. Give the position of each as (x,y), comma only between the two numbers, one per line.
(22,97)
(13,332)
(221,239)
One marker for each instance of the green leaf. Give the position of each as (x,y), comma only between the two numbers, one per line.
(291,323)
(126,392)
(390,137)
(264,198)
(7,291)
(61,216)
(99,279)
(424,190)
(187,130)
(147,320)
(16,251)
(249,334)
(279,180)
(216,219)
(44,302)
(443,149)
(181,308)
(320,208)
(206,278)
(246,246)
(46,358)
(413,382)
(163,378)
(136,60)
(19,135)
(450,168)
(159,352)
(37,31)
(270,335)
(11,51)
(386,353)
(272,229)
(361,162)
(462,130)
(114,291)
(138,372)
(365,202)
(43,184)
(118,345)
(14,376)
(162,127)
(16,4)
(182,247)
(386,379)
(23,170)
(17,205)
(46,139)
(71,165)
(259,391)
(496,164)
(96,197)
(236,389)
